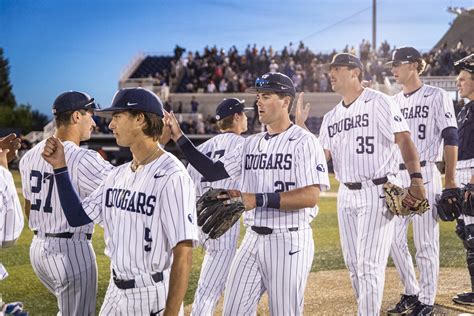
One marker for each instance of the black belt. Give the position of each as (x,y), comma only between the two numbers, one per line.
(403,167)
(62,235)
(130,284)
(358,185)
(267,230)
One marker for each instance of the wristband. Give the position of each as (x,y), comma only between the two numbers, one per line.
(416,175)
(270,200)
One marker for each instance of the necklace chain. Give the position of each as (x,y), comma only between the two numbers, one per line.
(135,164)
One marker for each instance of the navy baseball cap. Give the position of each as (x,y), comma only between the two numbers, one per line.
(73,101)
(274,82)
(134,99)
(346,59)
(404,55)
(229,107)
(466,63)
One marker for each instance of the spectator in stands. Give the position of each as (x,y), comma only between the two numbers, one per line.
(168,105)
(211,87)
(273,66)
(194,105)
(179,109)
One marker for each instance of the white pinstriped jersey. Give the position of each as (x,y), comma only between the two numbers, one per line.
(428,112)
(86,168)
(215,148)
(11,214)
(276,163)
(145,214)
(361,137)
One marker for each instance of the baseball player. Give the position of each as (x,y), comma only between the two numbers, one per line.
(11,215)
(285,170)
(232,122)
(429,113)
(61,255)
(360,135)
(147,209)
(465,166)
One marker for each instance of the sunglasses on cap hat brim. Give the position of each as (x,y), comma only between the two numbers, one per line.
(398,63)
(267,85)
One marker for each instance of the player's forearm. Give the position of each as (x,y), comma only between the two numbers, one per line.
(409,152)
(27,209)
(286,201)
(210,170)
(70,201)
(451,158)
(179,277)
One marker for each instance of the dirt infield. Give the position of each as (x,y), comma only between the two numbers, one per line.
(330,293)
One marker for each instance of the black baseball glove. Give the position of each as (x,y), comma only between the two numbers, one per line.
(468,208)
(219,209)
(450,204)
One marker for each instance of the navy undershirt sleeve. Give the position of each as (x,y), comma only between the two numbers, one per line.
(70,201)
(450,136)
(210,170)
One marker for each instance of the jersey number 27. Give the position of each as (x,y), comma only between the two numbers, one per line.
(37,180)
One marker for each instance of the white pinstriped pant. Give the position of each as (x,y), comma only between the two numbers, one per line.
(426,240)
(278,263)
(366,229)
(67,267)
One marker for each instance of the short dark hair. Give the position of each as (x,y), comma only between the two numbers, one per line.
(154,123)
(64,118)
(226,123)
(361,73)
(292,98)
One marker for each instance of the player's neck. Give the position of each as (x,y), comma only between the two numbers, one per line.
(412,85)
(279,126)
(66,134)
(145,151)
(352,94)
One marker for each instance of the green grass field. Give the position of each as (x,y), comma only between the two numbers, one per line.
(23,285)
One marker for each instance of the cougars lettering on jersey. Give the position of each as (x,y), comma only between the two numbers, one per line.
(277,163)
(144,215)
(428,112)
(364,131)
(11,214)
(86,168)
(215,148)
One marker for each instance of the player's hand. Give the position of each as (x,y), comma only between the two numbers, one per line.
(53,152)
(366,83)
(12,143)
(3,158)
(302,111)
(417,189)
(249,200)
(173,124)
(166,135)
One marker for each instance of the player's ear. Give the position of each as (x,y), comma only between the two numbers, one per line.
(75,116)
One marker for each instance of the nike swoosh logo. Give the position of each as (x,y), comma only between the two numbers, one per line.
(156,176)
(131,104)
(368,100)
(292,139)
(153,314)
(284,88)
(293,252)
(426,95)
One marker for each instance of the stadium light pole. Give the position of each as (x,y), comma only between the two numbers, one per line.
(374,25)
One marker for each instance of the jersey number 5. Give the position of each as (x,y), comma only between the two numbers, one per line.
(37,180)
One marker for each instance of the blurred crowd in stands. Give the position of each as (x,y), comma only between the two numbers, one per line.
(219,71)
